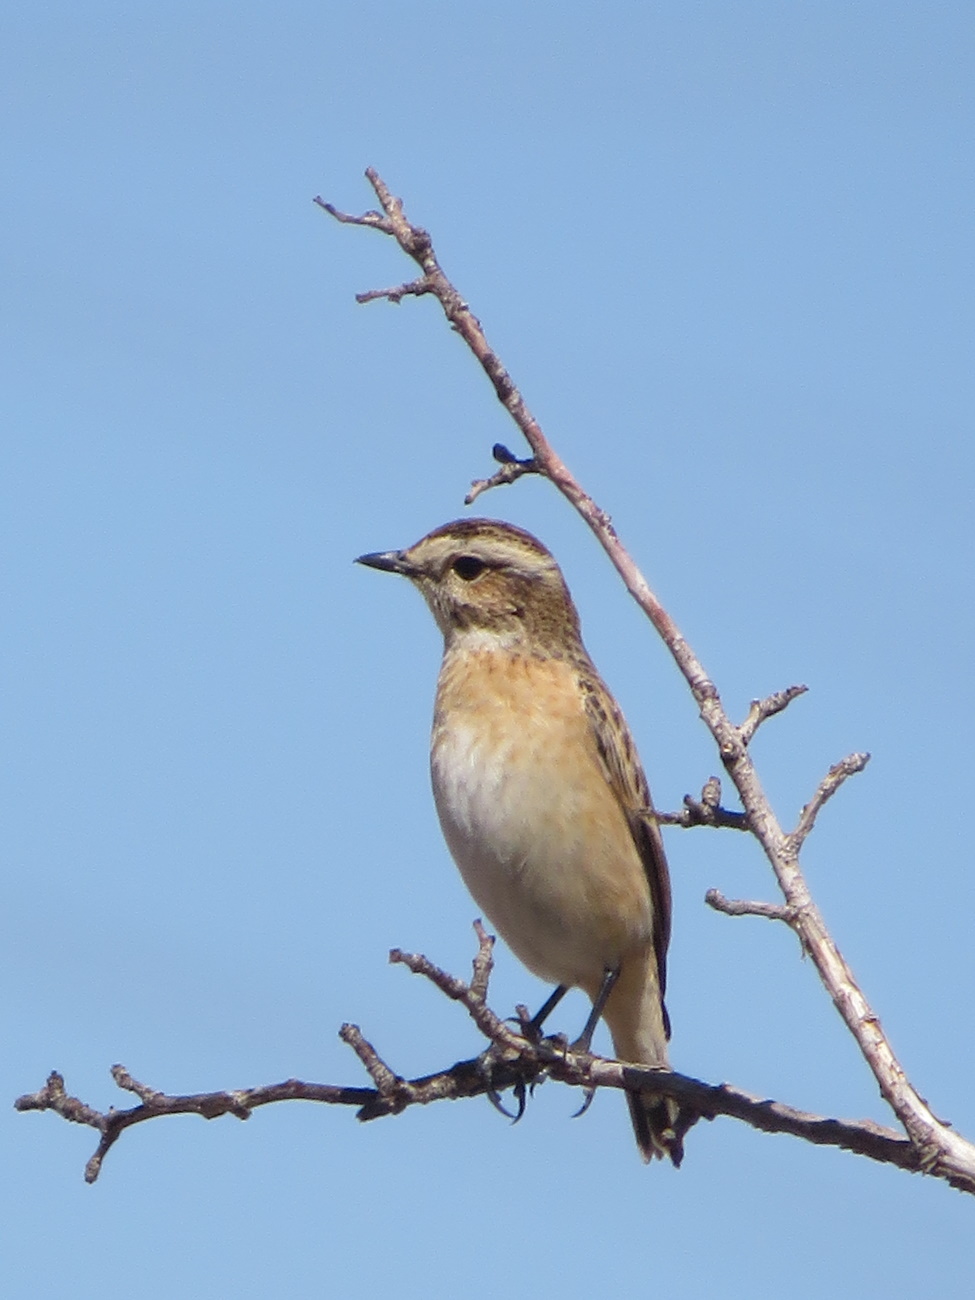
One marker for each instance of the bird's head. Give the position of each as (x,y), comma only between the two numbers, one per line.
(488,581)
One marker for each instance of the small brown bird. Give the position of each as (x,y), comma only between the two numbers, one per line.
(540,792)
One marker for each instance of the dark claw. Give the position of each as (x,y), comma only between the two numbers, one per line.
(521,1097)
(486,1070)
(590,1093)
(494,1097)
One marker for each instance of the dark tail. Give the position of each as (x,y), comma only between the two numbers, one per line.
(658,1125)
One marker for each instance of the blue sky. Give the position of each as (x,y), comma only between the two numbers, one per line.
(726,251)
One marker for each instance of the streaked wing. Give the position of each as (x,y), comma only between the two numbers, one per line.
(621,764)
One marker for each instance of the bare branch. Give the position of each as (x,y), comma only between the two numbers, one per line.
(740,907)
(523,1062)
(483,963)
(388,1083)
(209,1105)
(375,220)
(416,243)
(511,470)
(767,708)
(693,814)
(829,785)
(466,1080)
(937,1144)
(415,288)
(706,811)
(53,1097)
(471,996)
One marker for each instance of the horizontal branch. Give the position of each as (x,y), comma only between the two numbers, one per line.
(706,811)
(511,470)
(415,288)
(112,1123)
(742,907)
(515,1061)
(468,1079)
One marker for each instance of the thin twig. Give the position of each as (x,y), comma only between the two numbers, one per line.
(524,1062)
(762,709)
(416,243)
(706,811)
(415,288)
(694,814)
(511,470)
(742,907)
(490,1025)
(483,963)
(209,1105)
(385,1079)
(375,220)
(829,785)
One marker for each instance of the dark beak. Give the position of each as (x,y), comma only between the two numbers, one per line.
(388,561)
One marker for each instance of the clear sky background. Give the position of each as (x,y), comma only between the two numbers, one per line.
(726,249)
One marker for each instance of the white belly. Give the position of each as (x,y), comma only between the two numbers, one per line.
(541,844)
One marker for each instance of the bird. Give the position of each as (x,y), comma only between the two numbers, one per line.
(540,793)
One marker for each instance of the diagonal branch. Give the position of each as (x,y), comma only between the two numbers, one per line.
(829,785)
(472,996)
(937,1144)
(762,709)
(417,244)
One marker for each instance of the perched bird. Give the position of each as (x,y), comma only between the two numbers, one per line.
(540,793)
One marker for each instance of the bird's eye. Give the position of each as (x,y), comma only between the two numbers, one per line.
(468,567)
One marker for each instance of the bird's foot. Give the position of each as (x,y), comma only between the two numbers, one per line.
(498,1074)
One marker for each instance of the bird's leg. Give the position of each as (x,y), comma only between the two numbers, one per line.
(531,1028)
(584,1041)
